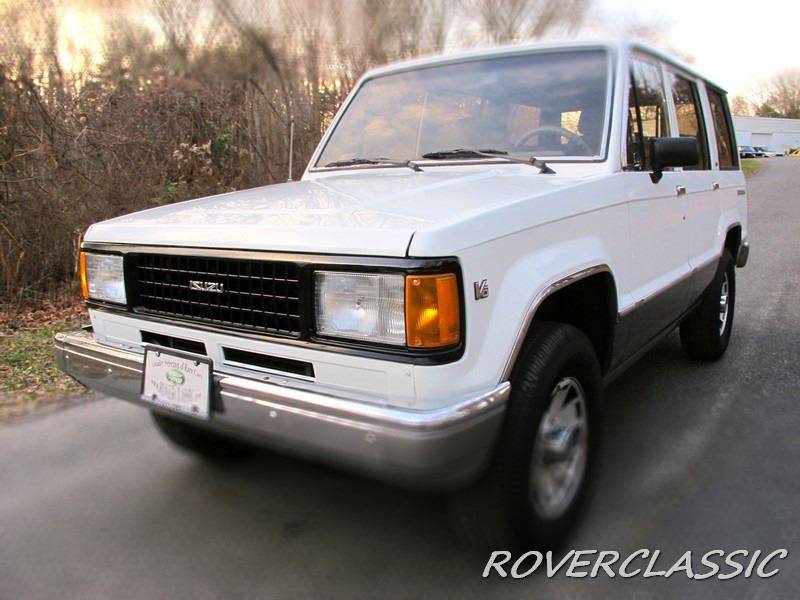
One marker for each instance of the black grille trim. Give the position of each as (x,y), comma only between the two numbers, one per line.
(168,341)
(265,361)
(262,296)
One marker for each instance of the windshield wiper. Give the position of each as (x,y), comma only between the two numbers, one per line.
(489,153)
(375,161)
(465,153)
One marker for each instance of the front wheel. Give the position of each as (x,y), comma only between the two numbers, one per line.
(532,493)
(705,333)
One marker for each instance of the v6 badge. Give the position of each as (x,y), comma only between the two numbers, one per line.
(481,289)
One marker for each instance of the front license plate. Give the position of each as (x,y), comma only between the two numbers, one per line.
(177,381)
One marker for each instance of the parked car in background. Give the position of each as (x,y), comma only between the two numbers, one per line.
(768,152)
(446,317)
(749,152)
(793,152)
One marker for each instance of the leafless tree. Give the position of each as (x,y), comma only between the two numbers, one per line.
(504,21)
(780,97)
(741,106)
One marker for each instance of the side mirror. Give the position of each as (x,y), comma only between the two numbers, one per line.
(672,152)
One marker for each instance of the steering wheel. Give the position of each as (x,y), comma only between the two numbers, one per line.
(574,137)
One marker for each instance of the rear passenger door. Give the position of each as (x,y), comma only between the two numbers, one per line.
(659,233)
(702,199)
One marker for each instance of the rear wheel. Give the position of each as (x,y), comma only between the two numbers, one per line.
(532,493)
(198,441)
(706,332)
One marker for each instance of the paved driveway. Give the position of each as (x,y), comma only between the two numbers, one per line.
(93,504)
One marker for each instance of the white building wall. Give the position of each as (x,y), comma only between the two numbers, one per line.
(787,140)
(766,131)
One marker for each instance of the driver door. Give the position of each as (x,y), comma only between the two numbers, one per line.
(659,232)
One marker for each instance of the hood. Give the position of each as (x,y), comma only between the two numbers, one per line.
(368,212)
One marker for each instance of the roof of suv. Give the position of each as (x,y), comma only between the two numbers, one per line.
(510,50)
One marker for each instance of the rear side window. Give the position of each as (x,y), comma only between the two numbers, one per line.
(728,158)
(689,113)
(647,113)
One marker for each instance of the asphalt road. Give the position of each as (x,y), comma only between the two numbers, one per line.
(94,504)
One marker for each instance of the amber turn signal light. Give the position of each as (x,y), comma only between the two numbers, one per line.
(433,318)
(84,281)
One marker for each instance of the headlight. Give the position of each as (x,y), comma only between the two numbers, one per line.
(418,311)
(361,306)
(102,277)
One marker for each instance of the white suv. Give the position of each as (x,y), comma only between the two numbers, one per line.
(480,242)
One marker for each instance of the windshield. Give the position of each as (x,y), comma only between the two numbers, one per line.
(546,104)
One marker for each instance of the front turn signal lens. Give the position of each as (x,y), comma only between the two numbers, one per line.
(433,318)
(84,281)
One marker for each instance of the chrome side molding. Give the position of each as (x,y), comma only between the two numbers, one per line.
(537,301)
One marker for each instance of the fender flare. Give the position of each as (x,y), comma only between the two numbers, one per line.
(726,226)
(540,297)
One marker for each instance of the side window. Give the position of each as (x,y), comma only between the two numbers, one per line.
(728,158)
(635,158)
(690,120)
(647,114)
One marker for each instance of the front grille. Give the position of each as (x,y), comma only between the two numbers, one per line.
(255,295)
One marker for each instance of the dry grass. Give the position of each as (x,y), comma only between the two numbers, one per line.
(28,372)
(750,166)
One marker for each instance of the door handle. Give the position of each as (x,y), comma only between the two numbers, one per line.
(680,190)
(715,185)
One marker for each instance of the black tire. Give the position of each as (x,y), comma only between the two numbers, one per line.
(198,441)
(702,334)
(500,510)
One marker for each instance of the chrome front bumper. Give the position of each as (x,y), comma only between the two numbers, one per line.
(439,449)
